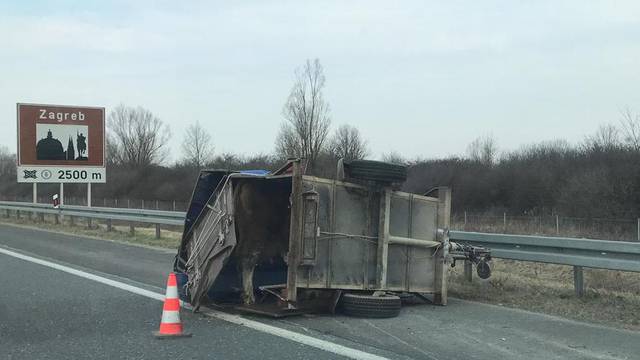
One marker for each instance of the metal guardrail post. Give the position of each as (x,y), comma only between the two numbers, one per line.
(17,214)
(157,231)
(109,225)
(468,271)
(132,229)
(578,280)
(56,219)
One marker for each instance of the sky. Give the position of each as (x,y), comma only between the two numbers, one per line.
(419,78)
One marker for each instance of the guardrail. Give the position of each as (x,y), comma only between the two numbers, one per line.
(603,254)
(579,253)
(157,217)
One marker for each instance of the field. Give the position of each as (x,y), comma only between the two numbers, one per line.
(611,297)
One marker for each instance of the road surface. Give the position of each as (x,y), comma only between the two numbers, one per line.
(49,313)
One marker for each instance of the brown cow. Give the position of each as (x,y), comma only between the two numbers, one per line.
(262,225)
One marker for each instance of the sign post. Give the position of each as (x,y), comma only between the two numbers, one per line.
(61,144)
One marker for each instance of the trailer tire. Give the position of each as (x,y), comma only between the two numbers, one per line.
(384,306)
(375,171)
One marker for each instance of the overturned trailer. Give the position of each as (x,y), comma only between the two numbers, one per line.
(289,234)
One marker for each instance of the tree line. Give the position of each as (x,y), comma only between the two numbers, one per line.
(598,177)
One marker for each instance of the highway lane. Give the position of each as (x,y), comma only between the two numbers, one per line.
(461,330)
(49,314)
(141,264)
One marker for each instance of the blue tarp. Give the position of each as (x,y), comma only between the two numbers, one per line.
(255,172)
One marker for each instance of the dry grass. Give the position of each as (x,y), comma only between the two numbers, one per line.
(143,235)
(611,297)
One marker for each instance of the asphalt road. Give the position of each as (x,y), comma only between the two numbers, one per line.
(50,314)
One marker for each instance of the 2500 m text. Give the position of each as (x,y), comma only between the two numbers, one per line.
(72,174)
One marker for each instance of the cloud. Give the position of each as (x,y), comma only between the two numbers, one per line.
(476,65)
(42,34)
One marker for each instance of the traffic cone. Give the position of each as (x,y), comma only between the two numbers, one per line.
(170,325)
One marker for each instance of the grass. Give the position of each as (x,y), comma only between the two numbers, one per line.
(611,297)
(170,238)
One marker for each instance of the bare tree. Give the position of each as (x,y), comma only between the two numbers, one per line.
(306,113)
(394,157)
(607,137)
(7,162)
(347,143)
(288,142)
(483,149)
(196,146)
(136,137)
(631,128)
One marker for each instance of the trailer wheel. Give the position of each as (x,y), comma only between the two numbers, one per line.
(384,306)
(375,171)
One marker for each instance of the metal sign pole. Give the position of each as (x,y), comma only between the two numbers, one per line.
(35,196)
(61,200)
(89,203)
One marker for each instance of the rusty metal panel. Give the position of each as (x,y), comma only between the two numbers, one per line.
(424,217)
(348,253)
(348,217)
(398,254)
(421,262)
(316,276)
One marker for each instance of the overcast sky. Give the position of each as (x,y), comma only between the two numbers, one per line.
(421,78)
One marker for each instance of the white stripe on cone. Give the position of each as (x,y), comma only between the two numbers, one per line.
(170,317)
(172,292)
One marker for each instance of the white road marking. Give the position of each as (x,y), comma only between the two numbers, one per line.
(86,275)
(235,319)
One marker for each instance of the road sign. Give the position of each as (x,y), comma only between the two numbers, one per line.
(61,144)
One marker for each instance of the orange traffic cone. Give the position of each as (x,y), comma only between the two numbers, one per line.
(170,325)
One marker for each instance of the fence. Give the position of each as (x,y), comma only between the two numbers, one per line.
(552,225)
(121,203)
